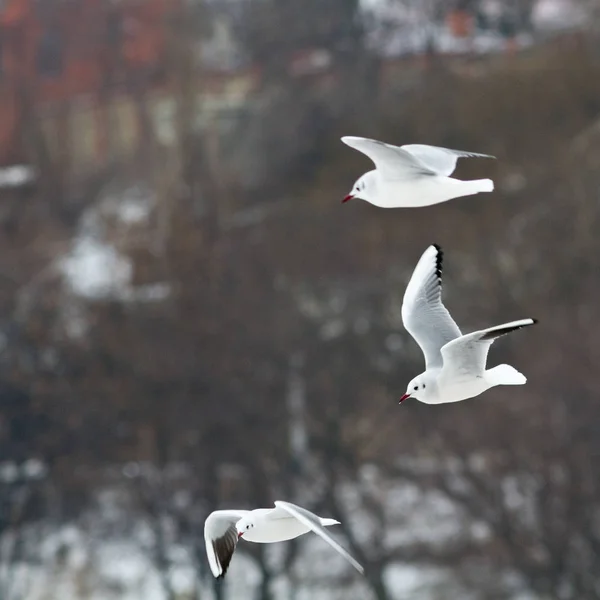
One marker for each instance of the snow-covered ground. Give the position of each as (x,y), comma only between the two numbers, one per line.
(107,554)
(401,27)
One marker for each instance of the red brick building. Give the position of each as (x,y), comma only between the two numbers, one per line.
(54,51)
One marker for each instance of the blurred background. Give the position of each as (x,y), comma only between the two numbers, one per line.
(191,320)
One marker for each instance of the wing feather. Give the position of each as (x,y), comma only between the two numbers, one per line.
(314,523)
(423,313)
(440,160)
(466,356)
(221,538)
(392,162)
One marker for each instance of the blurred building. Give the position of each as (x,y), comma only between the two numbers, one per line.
(65,59)
(84,83)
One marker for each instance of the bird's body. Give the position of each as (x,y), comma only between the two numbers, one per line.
(223,529)
(414,175)
(421,192)
(275,525)
(455,364)
(445,389)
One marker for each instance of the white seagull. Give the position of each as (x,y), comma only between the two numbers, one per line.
(412,175)
(455,364)
(224,528)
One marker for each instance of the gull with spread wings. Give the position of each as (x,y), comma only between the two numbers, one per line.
(411,175)
(224,528)
(455,364)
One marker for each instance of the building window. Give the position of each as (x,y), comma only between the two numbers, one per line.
(114,28)
(49,59)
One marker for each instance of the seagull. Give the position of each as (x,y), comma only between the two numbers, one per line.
(455,364)
(412,175)
(224,528)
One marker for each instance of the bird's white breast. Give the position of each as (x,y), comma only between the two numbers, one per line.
(421,191)
(275,530)
(460,390)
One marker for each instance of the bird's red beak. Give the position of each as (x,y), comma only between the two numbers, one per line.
(404,398)
(348,197)
(240,534)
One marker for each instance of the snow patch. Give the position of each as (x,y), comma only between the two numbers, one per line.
(16,176)
(95,270)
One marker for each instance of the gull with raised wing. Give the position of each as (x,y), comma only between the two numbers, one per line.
(224,528)
(455,364)
(411,175)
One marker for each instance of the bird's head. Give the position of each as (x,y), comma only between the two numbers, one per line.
(422,387)
(363,188)
(244,525)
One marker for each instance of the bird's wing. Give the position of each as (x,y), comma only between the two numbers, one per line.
(221,538)
(423,313)
(466,356)
(440,160)
(391,161)
(313,522)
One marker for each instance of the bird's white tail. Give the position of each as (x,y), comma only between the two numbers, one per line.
(505,375)
(481,185)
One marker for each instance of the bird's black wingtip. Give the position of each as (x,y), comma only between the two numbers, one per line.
(501,330)
(439,261)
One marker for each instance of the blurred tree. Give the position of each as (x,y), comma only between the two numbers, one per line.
(202,378)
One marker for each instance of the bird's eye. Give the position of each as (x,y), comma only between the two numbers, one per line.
(247,526)
(423,386)
(416,388)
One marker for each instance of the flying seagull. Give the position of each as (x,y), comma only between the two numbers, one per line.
(412,175)
(224,528)
(455,364)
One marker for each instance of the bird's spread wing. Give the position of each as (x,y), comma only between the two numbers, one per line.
(466,356)
(423,313)
(440,160)
(314,523)
(392,162)
(221,538)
